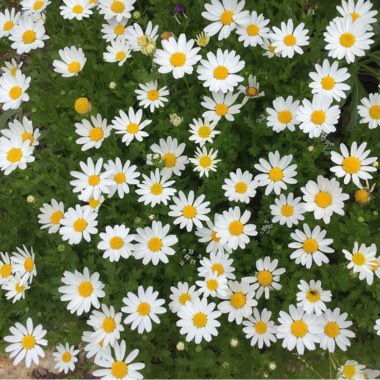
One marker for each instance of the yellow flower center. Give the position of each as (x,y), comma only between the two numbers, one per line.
(183,298)
(212,284)
(299,328)
(362,196)
(29,264)
(354,16)
(66,357)
(178,59)
(204,131)
(221,72)
(271,48)
(14,71)
(94,203)
(236,228)
(349,371)
(74,67)
(8,25)
(347,40)
(56,217)
(358,258)
(96,134)
(120,56)
(28,342)
(276,174)
(117,6)
(93,180)
(108,324)
(27,136)
(15,92)
(221,109)
(153,95)
(237,300)
(205,161)
(29,36)
(323,199)
(241,187)
(310,245)
(261,327)
(119,30)
(285,117)
(119,178)
(214,237)
(85,289)
(226,17)
(19,287)
(218,268)
(14,155)
(375,264)
(119,369)
(328,83)
(290,40)
(318,117)
(253,30)
(251,91)
(116,242)
(287,210)
(132,128)
(80,225)
(374,112)
(199,320)
(77,9)
(332,329)
(82,106)
(189,211)
(265,278)
(6,270)
(351,164)
(38,5)
(313,295)
(156,189)
(155,244)
(143,309)
(170,159)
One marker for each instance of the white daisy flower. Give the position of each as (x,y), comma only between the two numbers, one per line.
(8,20)
(369,110)
(277,173)
(65,358)
(189,211)
(140,40)
(150,96)
(116,242)
(267,45)
(153,244)
(260,329)
(358,10)
(75,9)
(118,365)
(130,126)
(266,278)
(335,330)
(6,268)
(283,114)
(123,176)
(351,370)
(353,164)
(232,228)
(81,291)
(155,189)
(205,161)
(318,115)
(92,348)
(203,131)
(77,223)
(114,30)
(26,342)
(15,288)
(377,326)
(347,39)
(310,246)
(13,90)
(225,16)
(252,90)
(240,186)
(180,295)
(11,67)
(198,320)
(324,197)
(23,129)
(219,262)
(287,210)
(72,61)
(221,106)
(92,133)
(34,7)
(252,32)
(116,9)
(219,71)
(213,285)
(95,203)
(288,40)
(23,263)
(239,301)
(118,51)
(170,152)
(329,80)
(142,309)
(298,330)
(311,297)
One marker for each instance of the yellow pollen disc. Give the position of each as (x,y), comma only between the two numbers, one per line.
(310,245)
(199,320)
(56,217)
(313,295)
(318,117)
(265,278)
(183,298)
(251,91)
(328,83)
(276,174)
(29,264)
(38,5)
(290,40)
(375,264)
(66,357)
(178,59)
(14,71)
(14,155)
(221,72)
(287,210)
(15,92)
(108,324)
(20,288)
(27,136)
(374,112)
(285,117)
(212,284)
(120,56)
(156,189)
(119,369)
(29,36)
(323,199)
(85,289)
(226,17)
(261,327)
(237,300)
(6,270)
(299,328)
(132,128)
(241,187)
(221,109)
(205,161)
(204,131)
(236,228)
(218,268)
(347,40)
(354,16)
(349,371)
(252,30)
(271,48)
(93,180)
(351,165)
(362,196)
(94,203)
(74,67)
(77,9)
(153,95)
(118,6)
(119,30)
(189,211)
(332,329)
(358,258)
(116,242)
(215,237)
(155,244)
(96,134)
(119,178)
(82,106)
(28,342)
(143,309)
(8,25)
(80,225)
(170,159)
